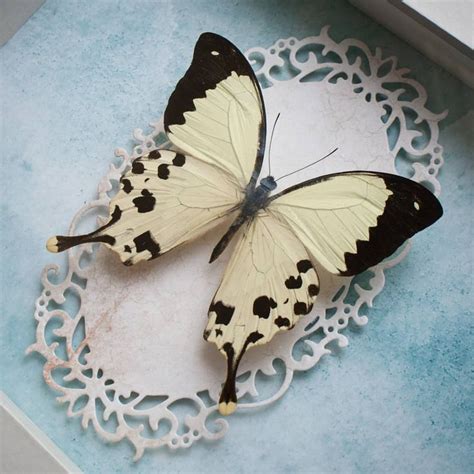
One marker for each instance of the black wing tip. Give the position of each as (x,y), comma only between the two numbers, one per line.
(211,37)
(382,243)
(195,82)
(430,208)
(60,243)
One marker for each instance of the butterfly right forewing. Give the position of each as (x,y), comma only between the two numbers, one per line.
(352,221)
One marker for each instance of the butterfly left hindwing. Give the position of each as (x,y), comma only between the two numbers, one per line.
(164,201)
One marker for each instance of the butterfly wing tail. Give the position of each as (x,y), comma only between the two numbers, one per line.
(228,398)
(60,243)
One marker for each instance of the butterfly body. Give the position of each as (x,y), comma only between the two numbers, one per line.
(347,222)
(255,199)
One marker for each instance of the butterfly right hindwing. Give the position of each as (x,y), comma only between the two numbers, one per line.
(268,285)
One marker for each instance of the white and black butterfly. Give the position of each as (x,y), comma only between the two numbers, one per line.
(347,222)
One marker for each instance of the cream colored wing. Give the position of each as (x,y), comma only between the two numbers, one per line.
(268,285)
(216,112)
(352,221)
(165,200)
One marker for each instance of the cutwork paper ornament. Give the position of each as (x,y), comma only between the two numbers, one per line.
(133,352)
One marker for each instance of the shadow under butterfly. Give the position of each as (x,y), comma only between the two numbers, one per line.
(346,221)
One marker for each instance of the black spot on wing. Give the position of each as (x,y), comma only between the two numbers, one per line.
(154,155)
(409,209)
(263,305)
(293,283)
(127,248)
(116,215)
(163,171)
(126,185)
(286,301)
(179,160)
(138,167)
(252,338)
(304,265)
(144,242)
(145,202)
(218,332)
(223,312)
(313,290)
(282,322)
(301,308)
(206,334)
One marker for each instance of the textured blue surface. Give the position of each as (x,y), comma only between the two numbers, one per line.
(76,79)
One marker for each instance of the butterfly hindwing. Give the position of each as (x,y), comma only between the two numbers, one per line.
(352,221)
(268,285)
(216,112)
(165,200)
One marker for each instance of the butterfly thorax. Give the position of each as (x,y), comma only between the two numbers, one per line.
(255,199)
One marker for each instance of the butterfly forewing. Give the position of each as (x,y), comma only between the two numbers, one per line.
(216,112)
(268,285)
(352,221)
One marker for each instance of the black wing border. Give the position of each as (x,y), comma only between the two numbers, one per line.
(204,73)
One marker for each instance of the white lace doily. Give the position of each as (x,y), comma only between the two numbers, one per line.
(124,345)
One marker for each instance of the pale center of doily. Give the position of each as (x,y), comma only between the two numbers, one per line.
(144,324)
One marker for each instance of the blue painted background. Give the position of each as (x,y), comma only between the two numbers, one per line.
(75,81)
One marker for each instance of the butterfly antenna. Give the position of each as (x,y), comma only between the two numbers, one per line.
(271,141)
(307,166)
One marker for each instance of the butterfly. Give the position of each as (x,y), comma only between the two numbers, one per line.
(347,222)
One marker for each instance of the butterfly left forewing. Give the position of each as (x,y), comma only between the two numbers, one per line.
(351,221)
(216,112)
(269,283)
